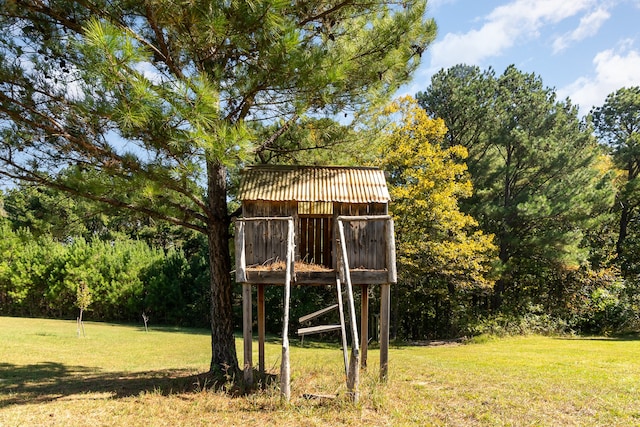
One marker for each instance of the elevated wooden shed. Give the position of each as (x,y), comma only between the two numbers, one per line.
(322,218)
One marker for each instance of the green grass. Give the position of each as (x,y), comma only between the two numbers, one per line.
(122,375)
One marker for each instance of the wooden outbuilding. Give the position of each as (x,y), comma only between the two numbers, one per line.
(334,221)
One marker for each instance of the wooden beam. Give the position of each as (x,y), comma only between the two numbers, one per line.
(318,329)
(241,265)
(317,313)
(261,328)
(247,333)
(391,252)
(364,217)
(364,325)
(264,218)
(385,310)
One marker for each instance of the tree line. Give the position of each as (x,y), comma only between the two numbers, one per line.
(502,225)
(53,250)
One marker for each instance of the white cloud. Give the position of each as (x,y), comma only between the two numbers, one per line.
(502,29)
(614,69)
(589,26)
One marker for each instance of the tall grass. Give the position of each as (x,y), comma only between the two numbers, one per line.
(122,375)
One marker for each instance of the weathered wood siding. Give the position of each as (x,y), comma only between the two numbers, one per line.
(266,241)
(365,240)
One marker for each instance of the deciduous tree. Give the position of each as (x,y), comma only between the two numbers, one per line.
(441,250)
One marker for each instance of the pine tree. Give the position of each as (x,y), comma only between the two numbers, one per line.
(157,97)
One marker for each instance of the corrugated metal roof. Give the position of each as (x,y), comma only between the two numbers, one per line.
(314,184)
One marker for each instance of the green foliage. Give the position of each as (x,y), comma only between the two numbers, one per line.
(176,290)
(312,141)
(542,184)
(117,279)
(617,124)
(44,211)
(534,322)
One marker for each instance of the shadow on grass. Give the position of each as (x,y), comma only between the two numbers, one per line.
(50,381)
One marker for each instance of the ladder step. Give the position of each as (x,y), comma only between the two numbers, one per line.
(318,329)
(317,313)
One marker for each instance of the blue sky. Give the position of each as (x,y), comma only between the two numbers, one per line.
(584,49)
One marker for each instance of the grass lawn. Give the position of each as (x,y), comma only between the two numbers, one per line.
(124,376)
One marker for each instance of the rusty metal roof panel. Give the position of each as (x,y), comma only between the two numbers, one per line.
(314,184)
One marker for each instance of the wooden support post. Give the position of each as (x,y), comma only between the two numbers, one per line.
(391,252)
(364,325)
(385,311)
(261,328)
(285,368)
(247,320)
(343,331)
(241,264)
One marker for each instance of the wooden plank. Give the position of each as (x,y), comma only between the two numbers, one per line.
(326,242)
(247,333)
(317,227)
(391,252)
(317,313)
(348,218)
(318,329)
(241,263)
(304,245)
(364,325)
(264,218)
(379,244)
(261,328)
(385,310)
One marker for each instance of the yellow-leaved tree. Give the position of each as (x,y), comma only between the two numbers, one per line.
(443,257)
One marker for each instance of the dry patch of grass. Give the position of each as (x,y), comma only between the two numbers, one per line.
(280,265)
(120,375)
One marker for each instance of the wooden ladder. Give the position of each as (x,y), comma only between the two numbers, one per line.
(351,367)
(332,327)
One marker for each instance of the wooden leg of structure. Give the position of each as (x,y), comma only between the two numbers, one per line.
(385,315)
(285,368)
(364,326)
(261,328)
(247,320)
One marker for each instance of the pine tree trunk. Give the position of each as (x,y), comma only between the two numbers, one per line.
(224,360)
